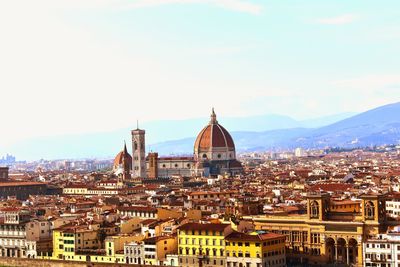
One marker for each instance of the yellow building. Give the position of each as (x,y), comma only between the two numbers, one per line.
(202,243)
(326,234)
(68,240)
(257,249)
(80,243)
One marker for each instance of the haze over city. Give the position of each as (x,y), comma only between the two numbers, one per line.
(73,67)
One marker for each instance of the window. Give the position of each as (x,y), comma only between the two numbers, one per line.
(314,209)
(369,210)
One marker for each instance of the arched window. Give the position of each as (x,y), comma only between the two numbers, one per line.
(204,156)
(369,210)
(314,209)
(135,145)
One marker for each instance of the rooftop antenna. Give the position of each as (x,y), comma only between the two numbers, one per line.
(137,124)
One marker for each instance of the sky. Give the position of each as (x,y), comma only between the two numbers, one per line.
(70,67)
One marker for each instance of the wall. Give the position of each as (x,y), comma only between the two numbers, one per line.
(11,262)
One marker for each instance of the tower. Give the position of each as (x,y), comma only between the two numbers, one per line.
(125,164)
(138,153)
(153,165)
(318,205)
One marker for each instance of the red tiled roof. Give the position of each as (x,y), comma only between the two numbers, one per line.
(137,208)
(204,226)
(213,135)
(332,187)
(247,237)
(3,184)
(176,158)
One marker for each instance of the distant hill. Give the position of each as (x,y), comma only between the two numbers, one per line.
(249,133)
(255,133)
(374,127)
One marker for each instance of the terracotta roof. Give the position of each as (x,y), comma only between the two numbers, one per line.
(176,158)
(119,159)
(20,184)
(137,208)
(10,209)
(247,237)
(213,135)
(204,226)
(331,187)
(212,193)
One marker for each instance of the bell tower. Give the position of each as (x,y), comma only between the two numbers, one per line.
(138,153)
(317,205)
(373,207)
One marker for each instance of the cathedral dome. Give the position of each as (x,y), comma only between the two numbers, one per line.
(122,158)
(214,142)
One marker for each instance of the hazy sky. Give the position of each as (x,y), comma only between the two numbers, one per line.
(74,66)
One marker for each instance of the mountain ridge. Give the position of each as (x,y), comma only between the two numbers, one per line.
(376,126)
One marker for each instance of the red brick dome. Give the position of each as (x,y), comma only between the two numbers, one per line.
(122,157)
(213,136)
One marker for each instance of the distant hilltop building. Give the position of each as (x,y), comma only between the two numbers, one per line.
(299,152)
(214,154)
(8,159)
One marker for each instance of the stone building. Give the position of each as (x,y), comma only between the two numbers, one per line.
(13,242)
(3,174)
(324,234)
(22,190)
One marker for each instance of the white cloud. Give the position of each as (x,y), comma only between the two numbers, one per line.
(339,20)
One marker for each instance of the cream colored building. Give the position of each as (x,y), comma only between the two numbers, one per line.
(323,235)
